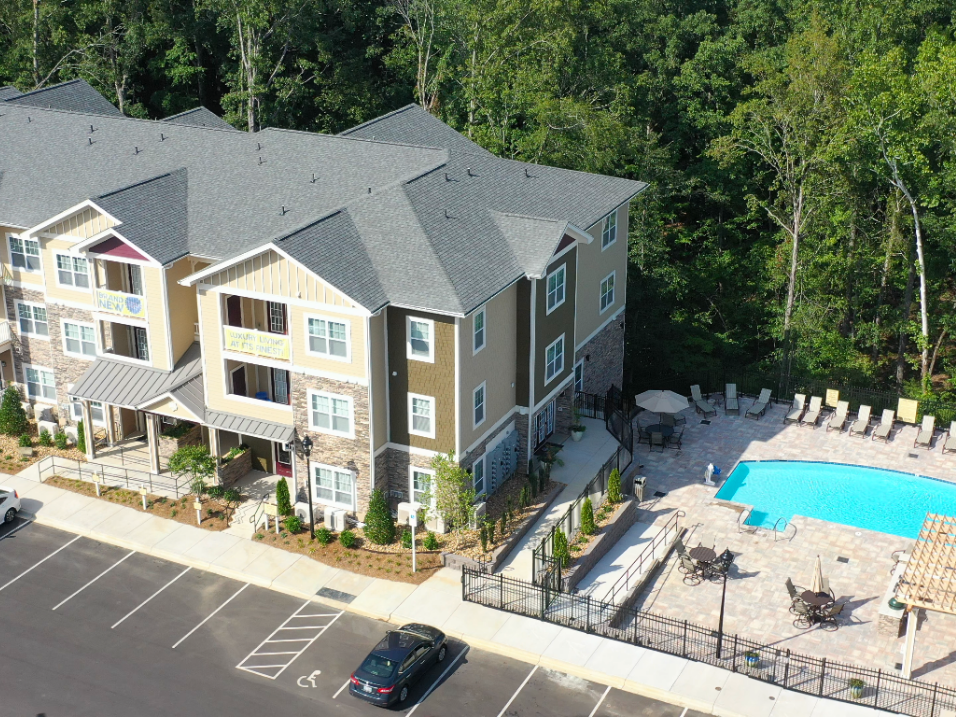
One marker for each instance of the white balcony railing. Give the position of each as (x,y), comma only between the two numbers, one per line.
(256,343)
(5,335)
(121,303)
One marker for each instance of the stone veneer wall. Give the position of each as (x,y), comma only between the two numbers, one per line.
(397,463)
(606,363)
(168,446)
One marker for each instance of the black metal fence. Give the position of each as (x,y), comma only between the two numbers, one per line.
(793,671)
(589,405)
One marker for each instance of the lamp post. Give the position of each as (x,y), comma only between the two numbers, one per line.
(725,560)
(307,450)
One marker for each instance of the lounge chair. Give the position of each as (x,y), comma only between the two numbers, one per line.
(700,405)
(886,425)
(796,409)
(812,415)
(838,418)
(759,406)
(731,404)
(924,438)
(862,421)
(950,444)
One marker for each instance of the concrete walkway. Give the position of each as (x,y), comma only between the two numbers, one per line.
(582,460)
(437,601)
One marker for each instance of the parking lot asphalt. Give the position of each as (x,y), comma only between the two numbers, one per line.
(91,629)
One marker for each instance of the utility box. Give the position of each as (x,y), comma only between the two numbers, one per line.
(405,509)
(301,510)
(334,519)
(639,484)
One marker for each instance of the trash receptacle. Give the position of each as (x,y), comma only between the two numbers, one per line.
(639,483)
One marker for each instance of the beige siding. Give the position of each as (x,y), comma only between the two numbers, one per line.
(31,279)
(593,266)
(182,308)
(49,249)
(169,407)
(494,364)
(378,383)
(298,328)
(156,318)
(82,225)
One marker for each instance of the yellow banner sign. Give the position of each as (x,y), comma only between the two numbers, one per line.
(257,343)
(116,302)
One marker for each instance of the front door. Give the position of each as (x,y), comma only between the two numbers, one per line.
(283,461)
(543,425)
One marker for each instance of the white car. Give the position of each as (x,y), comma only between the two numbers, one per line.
(9,504)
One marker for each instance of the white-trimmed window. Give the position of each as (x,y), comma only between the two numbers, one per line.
(607,292)
(556,288)
(579,376)
(33,319)
(478,323)
(79,339)
(421,415)
(72,271)
(331,413)
(332,485)
(554,359)
(609,232)
(421,339)
(25,254)
(96,410)
(479,404)
(478,476)
(41,385)
(328,338)
(420,485)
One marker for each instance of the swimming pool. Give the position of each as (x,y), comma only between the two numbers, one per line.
(869,498)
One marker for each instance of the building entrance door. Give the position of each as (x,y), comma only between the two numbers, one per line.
(283,461)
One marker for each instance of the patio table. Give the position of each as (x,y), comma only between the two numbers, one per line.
(702,554)
(815,599)
(666,431)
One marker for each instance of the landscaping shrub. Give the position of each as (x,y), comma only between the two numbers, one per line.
(45,440)
(179,430)
(283,500)
(25,441)
(524,498)
(407,539)
(561,550)
(13,419)
(587,518)
(323,535)
(216,491)
(293,524)
(614,487)
(503,525)
(490,528)
(60,440)
(431,541)
(379,525)
(483,536)
(347,538)
(81,437)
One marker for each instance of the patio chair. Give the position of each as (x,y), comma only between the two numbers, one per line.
(862,421)
(689,569)
(759,406)
(803,613)
(672,419)
(925,436)
(797,407)
(707,541)
(812,415)
(643,436)
(838,418)
(825,585)
(700,405)
(886,425)
(794,592)
(731,404)
(828,618)
(675,439)
(657,439)
(950,444)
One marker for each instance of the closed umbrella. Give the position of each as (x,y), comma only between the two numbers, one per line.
(661,401)
(816,585)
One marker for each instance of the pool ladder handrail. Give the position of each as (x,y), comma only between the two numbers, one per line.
(775,531)
(742,524)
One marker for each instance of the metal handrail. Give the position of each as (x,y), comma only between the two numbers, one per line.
(743,518)
(775,527)
(257,513)
(651,547)
(107,473)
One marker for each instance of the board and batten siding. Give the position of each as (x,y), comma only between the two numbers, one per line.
(594,265)
(84,224)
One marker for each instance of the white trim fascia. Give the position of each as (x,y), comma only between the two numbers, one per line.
(129,359)
(168,395)
(424,452)
(350,434)
(554,392)
(567,250)
(56,272)
(169,325)
(28,285)
(432,339)
(99,236)
(98,350)
(426,310)
(119,319)
(457,385)
(509,416)
(348,337)
(122,260)
(257,402)
(82,246)
(579,234)
(371,402)
(86,203)
(600,328)
(255,360)
(290,300)
(411,416)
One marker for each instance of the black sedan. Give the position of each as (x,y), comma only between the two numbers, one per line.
(397,663)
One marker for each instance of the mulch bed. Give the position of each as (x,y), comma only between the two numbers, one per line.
(601,519)
(11,462)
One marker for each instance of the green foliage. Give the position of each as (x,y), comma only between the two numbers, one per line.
(234,452)
(562,552)
(293,524)
(60,440)
(614,487)
(379,524)
(25,440)
(81,437)
(13,419)
(587,518)
(323,535)
(407,539)
(503,525)
(179,430)
(195,465)
(45,439)
(524,498)
(283,499)
(347,538)
(483,537)
(431,541)
(452,492)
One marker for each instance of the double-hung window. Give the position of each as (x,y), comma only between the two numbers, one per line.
(421,415)
(25,254)
(421,339)
(331,413)
(33,319)
(479,404)
(479,326)
(72,271)
(554,359)
(276,317)
(334,486)
(96,410)
(478,476)
(607,292)
(79,339)
(556,288)
(609,232)
(329,338)
(421,486)
(40,383)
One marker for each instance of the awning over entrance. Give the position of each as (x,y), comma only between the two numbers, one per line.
(250,426)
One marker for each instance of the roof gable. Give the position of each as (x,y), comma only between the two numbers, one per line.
(413,125)
(72,96)
(200,117)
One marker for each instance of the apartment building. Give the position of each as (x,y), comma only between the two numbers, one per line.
(393,292)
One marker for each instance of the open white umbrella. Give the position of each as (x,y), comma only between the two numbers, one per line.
(816,585)
(661,401)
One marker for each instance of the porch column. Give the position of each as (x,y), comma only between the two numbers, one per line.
(110,424)
(912,616)
(152,435)
(88,430)
(214,446)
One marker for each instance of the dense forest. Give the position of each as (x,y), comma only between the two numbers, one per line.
(801,154)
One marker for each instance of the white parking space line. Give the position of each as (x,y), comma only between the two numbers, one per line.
(438,681)
(684,712)
(36,565)
(342,688)
(251,661)
(20,527)
(520,687)
(128,555)
(206,619)
(120,621)
(601,701)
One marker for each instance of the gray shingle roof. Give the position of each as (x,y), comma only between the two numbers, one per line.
(200,117)
(413,125)
(8,92)
(72,96)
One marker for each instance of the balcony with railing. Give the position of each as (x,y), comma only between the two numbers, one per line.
(6,336)
(254,327)
(120,289)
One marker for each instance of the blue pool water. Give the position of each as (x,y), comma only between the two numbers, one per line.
(870,498)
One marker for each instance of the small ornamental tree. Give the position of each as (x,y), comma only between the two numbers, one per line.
(561,551)
(451,492)
(614,487)
(13,419)
(283,499)
(81,437)
(587,518)
(196,465)
(379,526)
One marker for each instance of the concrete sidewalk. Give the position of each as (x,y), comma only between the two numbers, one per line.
(437,602)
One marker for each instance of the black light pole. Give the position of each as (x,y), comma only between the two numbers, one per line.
(726,559)
(307,450)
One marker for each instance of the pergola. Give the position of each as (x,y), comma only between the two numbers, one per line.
(929,579)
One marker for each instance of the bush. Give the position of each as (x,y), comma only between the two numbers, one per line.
(283,499)
(25,441)
(561,550)
(195,463)
(235,452)
(407,539)
(524,498)
(60,440)
(431,541)
(46,440)
(81,437)
(587,518)
(323,535)
(379,526)
(490,528)
(216,491)
(614,487)
(347,538)
(293,524)
(13,419)
(483,536)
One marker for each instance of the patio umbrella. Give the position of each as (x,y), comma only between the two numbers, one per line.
(661,401)
(816,585)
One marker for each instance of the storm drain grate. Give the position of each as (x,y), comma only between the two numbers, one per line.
(841,559)
(335,595)
(659,494)
(704,422)
(912,455)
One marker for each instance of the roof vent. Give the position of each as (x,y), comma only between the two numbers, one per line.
(260,160)
(162,137)
(135,150)
(369,190)
(258,147)
(29,119)
(92,129)
(91,141)
(526,174)
(283,211)
(313,177)
(469,172)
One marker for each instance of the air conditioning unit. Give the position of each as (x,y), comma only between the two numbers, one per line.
(334,519)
